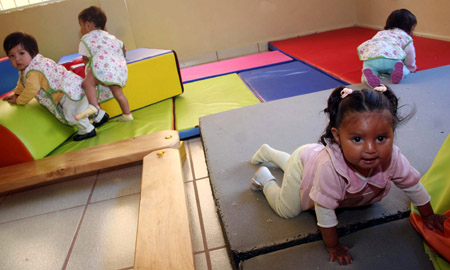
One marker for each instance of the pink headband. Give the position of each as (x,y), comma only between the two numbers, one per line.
(345,92)
(380,88)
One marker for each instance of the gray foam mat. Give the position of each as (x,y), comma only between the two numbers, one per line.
(370,249)
(231,138)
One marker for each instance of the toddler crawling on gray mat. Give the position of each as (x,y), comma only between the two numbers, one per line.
(353,165)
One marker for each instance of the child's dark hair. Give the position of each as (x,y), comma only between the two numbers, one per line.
(359,101)
(28,42)
(95,15)
(401,18)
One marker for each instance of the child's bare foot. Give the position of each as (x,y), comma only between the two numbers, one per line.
(90,110)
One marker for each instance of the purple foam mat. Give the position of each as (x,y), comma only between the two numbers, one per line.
(288,80)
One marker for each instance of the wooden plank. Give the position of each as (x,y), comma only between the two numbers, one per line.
(163,235)
(85,160)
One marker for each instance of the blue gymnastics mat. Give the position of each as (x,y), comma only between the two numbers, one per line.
(288,80)
(8,76)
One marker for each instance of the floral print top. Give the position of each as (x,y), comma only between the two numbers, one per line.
(106,57)
(59,80)
(388,44)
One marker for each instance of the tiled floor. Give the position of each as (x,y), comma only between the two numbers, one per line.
(91,222)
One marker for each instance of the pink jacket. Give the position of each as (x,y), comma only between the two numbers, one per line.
(330,182)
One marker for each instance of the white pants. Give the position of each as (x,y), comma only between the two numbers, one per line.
(70,108)
(285,200)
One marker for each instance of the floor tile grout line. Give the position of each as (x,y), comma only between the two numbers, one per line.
(68,208)
(202,227)
(69,253)
(218,248)
(202,178)
(127,268)
(43,214)
(114,198)
(211,249)
(200,216)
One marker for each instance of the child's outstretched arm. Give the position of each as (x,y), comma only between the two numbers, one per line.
(335,249)
(27,93)
(430,219)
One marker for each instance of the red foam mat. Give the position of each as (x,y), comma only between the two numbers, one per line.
(335,51)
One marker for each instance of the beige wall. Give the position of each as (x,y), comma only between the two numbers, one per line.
(205,26)
(55,26)
(196,28)
(432,16)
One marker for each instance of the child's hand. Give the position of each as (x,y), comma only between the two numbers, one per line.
(335,249)
(340,253)
(435,221)
(430,219)
(10,99)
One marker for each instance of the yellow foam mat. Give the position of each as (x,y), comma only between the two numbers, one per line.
(205,97)
(149,81)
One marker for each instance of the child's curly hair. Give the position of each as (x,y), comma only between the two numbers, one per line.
(95,15)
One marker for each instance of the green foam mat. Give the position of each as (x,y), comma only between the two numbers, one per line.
(153,118)
(210,96)
(38,130)
(436,182)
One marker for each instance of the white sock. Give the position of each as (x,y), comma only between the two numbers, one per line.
(267,154)
(261,155)
(263,175)
(125,118)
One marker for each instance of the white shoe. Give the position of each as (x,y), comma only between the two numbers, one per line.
(255,185)
(261,177)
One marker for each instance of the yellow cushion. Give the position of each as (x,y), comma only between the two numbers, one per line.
(150,80)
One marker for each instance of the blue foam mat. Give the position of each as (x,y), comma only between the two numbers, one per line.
(8,76)
(287,80)
(186,134)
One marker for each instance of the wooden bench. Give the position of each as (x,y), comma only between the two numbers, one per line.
(163,235)
(85,160)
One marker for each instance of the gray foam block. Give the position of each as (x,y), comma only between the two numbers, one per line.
(380,247)
(231,138)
